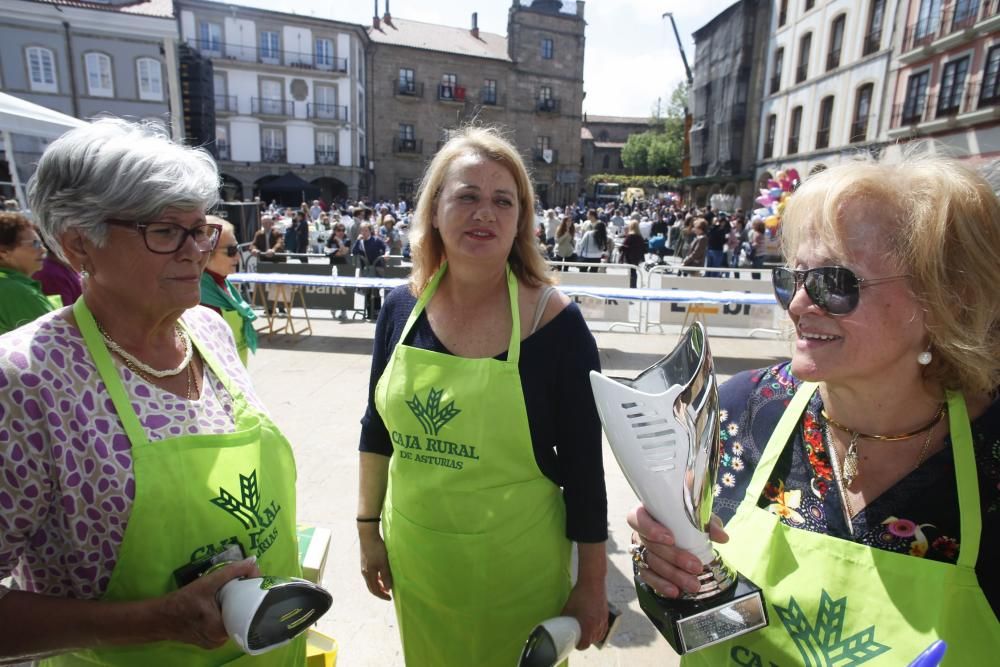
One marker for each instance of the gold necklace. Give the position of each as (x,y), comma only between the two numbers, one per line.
(192,379)
(137,364)
(850,468)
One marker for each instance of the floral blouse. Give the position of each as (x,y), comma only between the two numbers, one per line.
(918,516)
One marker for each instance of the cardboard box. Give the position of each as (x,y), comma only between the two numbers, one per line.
(314,544)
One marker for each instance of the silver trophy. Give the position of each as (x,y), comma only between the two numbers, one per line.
(663,428)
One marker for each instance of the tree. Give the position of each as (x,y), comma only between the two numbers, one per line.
(660,150)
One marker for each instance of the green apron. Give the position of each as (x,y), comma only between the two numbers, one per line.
(235,322)
(475,532)
(835,602)
(193,494)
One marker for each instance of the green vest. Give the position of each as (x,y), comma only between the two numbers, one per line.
(835,602)
(475,532)
(193,494)
(22,300)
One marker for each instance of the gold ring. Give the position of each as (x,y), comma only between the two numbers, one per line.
(639,553)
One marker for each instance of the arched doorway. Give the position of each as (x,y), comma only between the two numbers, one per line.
(331,189)
(231,188)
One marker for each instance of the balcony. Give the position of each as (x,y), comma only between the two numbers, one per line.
(775,83)
(256,54)
(952,26)
(801,72)
(271,154)
(547,105)
(833,59)
(540,155)
(407,88)
(859,129)
(822,137)
(226,104)
(222,149)
(793,144)
(448,93)
(331,112)
(263,106)
(872,43)
(327,157)
(407,146)
(931,114)
(768,149)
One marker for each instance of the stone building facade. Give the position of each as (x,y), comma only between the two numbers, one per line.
(427,79)
(602,139)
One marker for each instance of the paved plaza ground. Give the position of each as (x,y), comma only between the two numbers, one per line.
(316,388)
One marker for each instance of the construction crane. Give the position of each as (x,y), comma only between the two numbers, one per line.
(686,159)
(680,47)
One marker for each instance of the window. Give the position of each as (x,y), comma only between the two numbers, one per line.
(324,54)
(825,118)
(489,92)
(448,88)
(779,58)
(862,111)
(793,131)
(221,98)
(803,69)
(210,38)
(873,38)
(952,86)
(543,150)
(269,49)
(547,49)
(271,99)
(98,68)
(810,4)
(407,84)
(545,101)
(772,124)
(927,18)
(407,142)
(272,144)
(222,142)
(783,13)
(150,79)
(916,97)
(326,148)
(836,42)
(990,93)
(361,109)
(41,70)
(326,103)
(965,14)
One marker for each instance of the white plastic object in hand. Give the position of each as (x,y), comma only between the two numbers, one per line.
(262,613)
(551,642)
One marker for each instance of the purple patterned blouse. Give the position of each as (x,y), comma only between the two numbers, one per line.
(66,480)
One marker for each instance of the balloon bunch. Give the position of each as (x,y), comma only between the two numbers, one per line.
(773,198)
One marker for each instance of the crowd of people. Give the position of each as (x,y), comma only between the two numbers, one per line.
(862,474)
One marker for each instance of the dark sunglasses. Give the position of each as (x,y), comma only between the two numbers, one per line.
(232,250)
(835,289)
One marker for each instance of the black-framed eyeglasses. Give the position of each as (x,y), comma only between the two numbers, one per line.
(835,289)
(231,250)
(166,238)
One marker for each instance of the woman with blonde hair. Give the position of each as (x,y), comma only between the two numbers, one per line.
(481,445)
(862,478)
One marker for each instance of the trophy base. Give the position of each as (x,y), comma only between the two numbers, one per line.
(690,625)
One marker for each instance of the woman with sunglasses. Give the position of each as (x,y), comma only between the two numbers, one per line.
(859,483)
(221,296)
(21,255)
(338,248)
(129,426)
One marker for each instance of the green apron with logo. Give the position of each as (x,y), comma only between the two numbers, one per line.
(193,494)
(475,532)
(835,602)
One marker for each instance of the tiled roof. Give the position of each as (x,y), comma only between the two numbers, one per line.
(433,37)
(157,8)
(629,120)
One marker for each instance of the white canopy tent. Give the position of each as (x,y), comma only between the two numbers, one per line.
(21,117)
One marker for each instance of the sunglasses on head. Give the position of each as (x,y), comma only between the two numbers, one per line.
(835,289)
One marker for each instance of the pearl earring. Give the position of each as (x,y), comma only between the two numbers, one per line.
(924,357)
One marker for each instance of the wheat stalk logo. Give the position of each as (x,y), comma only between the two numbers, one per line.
(822,644)
(246,508)
(433,415)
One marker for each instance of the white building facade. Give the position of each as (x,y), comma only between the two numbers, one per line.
(289,95)
(826,82)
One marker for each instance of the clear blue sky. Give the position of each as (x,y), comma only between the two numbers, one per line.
(631,57)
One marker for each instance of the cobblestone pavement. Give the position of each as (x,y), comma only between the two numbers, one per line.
(316,389)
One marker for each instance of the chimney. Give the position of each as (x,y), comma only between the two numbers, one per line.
(579,8)
(375,21)
(388,17)
(475,24)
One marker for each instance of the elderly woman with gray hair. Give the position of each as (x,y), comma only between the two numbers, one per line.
(132,445)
